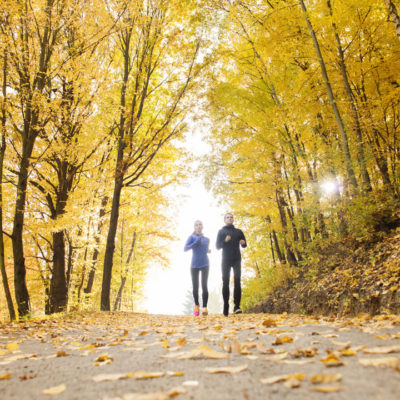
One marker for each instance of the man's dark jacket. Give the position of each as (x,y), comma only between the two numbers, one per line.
(230,249)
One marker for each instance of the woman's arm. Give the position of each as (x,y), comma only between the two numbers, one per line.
(193,241)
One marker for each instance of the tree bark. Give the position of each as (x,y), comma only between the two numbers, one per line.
(394,15)
(58,282)
(95,255)
(356,120)
(6,287)
(345,143)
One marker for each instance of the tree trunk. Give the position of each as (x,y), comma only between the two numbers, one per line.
(21,290)
(95,255)
(356,120)
(110,246)
(345,143)
(394,16)
(6,287)
(58,282)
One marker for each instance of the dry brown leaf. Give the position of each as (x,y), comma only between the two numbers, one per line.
(283,339)
(235,346)
(147,375)
(326,378)
(175,373)
(203,351)
(348,352)
(283,378)
(383,362)
(55,390)
(62,353)
(292,383)
(332,361)
(155,395)
(227,370)
(327,389)
(12,346)
(269,322)
(277,357)
(181,341)
(111,377)
(382,350)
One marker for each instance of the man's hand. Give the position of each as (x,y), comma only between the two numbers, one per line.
(227,238)
(242,242)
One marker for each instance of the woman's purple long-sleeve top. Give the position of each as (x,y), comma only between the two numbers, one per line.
(199,245)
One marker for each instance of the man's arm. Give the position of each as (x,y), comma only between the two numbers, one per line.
(242,238)
(220,241)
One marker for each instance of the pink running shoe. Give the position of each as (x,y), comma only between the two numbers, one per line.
(196,311)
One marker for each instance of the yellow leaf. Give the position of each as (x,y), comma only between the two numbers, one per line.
(227,370)
(382,350)
(165,343)
(176,373)
(55,390)
(155,395)
(147,375)
(326,378)
(327,389)
(5,376)
(269,322)
(181,341)
(12,346)
(348,352)
(332,361)
(283,339)
(111,377)
(203,351)
(384,362)
(61,353)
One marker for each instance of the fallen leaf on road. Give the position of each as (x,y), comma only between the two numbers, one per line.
(12,346)
(155,395)
(283,339)
(147,375)
(62,353)
(383,362)
(326,378)
(111,377)
(5,376)
(269,322)
(277,357)
(103,359)
(282,378)
(382,350)
(190,383)
(202,351)
(332,361)
(228,370)
(55,390)
(175,373)
(181,341)
(292,383)
(327,389)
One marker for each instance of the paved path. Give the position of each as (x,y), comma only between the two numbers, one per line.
(153,357)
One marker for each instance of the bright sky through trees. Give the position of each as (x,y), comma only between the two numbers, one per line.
(165,289)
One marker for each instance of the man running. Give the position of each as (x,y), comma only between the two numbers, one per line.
(229,239)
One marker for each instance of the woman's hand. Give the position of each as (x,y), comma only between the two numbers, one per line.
(227,238)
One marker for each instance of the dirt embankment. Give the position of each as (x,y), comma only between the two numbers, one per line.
(345,278)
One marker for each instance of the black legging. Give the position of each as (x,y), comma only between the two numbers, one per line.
(195,281)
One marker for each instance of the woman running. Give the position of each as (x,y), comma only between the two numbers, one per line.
(200,264)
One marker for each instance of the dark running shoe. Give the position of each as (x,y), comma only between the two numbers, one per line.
(237,310)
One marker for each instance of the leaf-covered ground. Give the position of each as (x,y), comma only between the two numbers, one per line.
(153,357)
(345,277)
